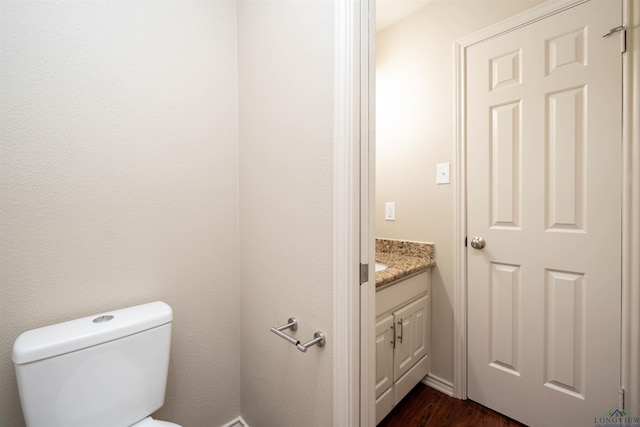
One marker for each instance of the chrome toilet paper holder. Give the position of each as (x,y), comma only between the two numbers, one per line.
(318,337)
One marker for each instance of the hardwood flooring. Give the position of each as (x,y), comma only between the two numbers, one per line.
(424,406)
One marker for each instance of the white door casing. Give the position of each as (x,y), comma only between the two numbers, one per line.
(353,332)
(354,302)
(543,167)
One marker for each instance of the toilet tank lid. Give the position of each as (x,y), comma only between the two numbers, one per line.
(54,340)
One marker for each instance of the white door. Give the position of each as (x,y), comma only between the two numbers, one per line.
(385,344)
(544,183)
(411,338)
(384,354)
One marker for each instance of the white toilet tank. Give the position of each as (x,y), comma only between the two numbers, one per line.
(106,370)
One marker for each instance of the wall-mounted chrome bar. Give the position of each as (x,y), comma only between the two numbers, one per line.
(318,339)
(292,323)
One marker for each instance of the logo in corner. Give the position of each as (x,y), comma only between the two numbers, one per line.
(616,417)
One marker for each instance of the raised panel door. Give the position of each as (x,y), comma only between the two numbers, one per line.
(411,325)
(544,191)
(384,354)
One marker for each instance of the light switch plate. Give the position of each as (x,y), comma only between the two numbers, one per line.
(390,211)
(442,173)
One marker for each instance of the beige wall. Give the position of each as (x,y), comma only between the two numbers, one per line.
(415,131)
(119,182)
(286,173)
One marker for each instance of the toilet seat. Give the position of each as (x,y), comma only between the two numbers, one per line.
(150,422)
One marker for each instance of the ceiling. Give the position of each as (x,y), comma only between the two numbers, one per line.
(389,12)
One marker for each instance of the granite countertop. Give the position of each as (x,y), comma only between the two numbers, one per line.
(403,259)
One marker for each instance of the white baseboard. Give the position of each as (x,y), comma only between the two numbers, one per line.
(439,384)
(238,422)
(430,380)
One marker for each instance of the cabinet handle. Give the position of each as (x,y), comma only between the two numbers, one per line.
(401,331)
(393,334)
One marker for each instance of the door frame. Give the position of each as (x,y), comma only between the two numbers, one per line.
(346,213)
(630,351)
(353,210)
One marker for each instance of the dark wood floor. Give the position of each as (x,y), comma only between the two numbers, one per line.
(424,406)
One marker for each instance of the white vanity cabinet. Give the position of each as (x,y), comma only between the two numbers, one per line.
(402,340)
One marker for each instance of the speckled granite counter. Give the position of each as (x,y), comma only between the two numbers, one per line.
(403,259)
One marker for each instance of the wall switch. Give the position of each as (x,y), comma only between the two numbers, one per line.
(390,211)
(442,173)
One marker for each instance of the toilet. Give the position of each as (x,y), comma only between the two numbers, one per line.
(107,370)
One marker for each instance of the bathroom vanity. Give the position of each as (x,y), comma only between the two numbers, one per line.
(402,322)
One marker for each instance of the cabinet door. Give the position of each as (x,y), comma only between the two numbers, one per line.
(412,326)
(384,354)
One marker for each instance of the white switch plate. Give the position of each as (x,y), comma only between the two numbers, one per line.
(390,211)
(442,173)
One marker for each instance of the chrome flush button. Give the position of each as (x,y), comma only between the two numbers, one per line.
(103,319)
